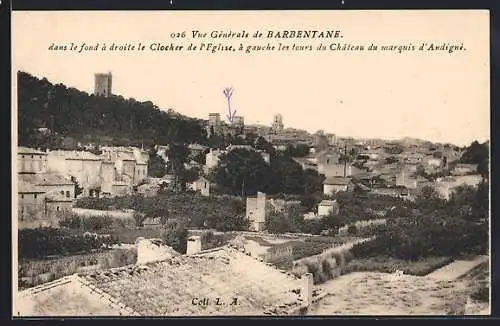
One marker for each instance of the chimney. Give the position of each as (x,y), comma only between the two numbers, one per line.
(307,288)
(193,244)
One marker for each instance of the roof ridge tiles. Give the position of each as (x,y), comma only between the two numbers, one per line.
(107,298)
(48,285)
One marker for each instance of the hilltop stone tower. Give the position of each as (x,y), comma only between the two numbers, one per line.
(103,84)
(214,123)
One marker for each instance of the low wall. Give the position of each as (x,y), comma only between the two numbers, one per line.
(35,272)
(329,264)
(85,212)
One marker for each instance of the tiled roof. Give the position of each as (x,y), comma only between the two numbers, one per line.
(27,150)
(45,179)
(471,180)
(57,197)
(28,188)
(231,147)
(169,287)
(82,155)
(337,181)
(326,202)
(197,147)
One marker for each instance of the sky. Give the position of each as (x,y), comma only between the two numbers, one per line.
(435,96)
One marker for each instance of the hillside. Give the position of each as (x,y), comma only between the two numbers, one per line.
(55,116)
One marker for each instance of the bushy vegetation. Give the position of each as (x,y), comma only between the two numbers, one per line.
(130,235)
(482,294)
(72,114)
(35,272)
(323,267)
(224,213)
(91,223)
(444,228)
(243,171)
(43,242)
(478,154)
(387,264)
(310,246)
(175,234)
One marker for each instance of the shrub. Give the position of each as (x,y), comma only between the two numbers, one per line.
(386,264)
(93,223)
(414,238)
(42,242)
(482,294)
(175,234)
(352,229)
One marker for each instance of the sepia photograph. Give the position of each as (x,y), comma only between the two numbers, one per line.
(251,163)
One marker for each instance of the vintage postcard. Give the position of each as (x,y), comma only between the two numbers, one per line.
(243,163)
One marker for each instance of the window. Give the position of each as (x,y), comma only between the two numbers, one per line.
(57,208)
(34,196)
(22,196)
(31,156)
(62,192)
(68,194)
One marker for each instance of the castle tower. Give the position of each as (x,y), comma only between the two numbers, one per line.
(277,125)
(103,84)
(214,123)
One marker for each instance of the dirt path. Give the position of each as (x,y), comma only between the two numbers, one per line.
(370,293)
(457,268)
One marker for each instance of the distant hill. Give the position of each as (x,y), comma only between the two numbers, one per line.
(55,116)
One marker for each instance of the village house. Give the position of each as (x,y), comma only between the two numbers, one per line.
(340,170)
(464,169)
(115,172)
(326,207)
(42,195)
(404,179)
(31,160)
(163,283)
(197,149)
(447,185)
(333,185)
(281,205)
(402,193)
(202,185)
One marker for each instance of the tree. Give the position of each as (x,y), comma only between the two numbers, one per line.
(78,189)
(262,144)
(298,150)
(242,171)
(177,156)
(71,113)
(429,200)
(277,223)
(476,153)
(470,203)
(175,234)
(139,219)
(156,166)
(312,181)
(286,176)
(233,223)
